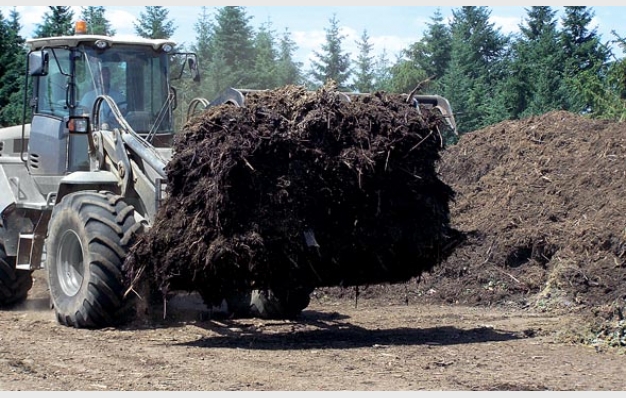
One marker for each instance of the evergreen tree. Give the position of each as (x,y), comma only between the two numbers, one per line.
(5,92)
(234,37)
(203,47)
(582,44)
(265,62)
(586,57)
(288,70)
(97,23)
(457,89)
(476,67)
(219,76)
(204,29)
(432,53)
(332,63)
(56,22)
(383,72)
(618,68)
(607,91)
(405,76)
(365,65)
(233,49)
(154,23)
(535,84)
(610,98)
(425,61)
(12,65)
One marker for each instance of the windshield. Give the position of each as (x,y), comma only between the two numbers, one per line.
(134,77)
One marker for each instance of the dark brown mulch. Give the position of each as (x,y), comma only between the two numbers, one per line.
(301,188)
(542,203)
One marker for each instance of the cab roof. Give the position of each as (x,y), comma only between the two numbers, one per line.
(75,41)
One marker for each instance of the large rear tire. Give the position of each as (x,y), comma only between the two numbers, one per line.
(89,236)
(14,284)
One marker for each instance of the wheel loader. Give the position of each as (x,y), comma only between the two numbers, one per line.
(79,182)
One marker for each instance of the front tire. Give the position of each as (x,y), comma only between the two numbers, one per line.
(89,236)
(14,284)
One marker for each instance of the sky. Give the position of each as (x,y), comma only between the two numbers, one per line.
(390,29)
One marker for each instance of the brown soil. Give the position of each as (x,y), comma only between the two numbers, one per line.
(336,345)
(533,300)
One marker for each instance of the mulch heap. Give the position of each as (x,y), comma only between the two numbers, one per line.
(542,202)
(301,188)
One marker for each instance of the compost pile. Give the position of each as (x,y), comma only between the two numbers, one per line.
(301,188)
(542,203)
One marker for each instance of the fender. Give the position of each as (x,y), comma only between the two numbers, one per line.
(20,203)
(6,193)
(88,180)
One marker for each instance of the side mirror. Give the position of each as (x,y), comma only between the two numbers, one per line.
(174,98)
(193,67)
(38,63)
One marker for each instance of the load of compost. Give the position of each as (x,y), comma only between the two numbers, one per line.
(300,189)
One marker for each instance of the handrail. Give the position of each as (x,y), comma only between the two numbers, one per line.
(130,137)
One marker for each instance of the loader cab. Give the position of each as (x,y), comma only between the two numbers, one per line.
(66,70)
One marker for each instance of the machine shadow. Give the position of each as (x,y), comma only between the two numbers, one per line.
(319,330)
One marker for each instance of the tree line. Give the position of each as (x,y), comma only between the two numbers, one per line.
(553,63)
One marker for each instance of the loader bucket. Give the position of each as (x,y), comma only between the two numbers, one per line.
(237,97)
(439,103)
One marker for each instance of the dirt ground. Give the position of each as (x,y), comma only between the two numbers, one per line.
(534,300)
(339,344)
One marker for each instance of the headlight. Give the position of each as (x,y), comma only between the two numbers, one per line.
(101,44)
(78,125)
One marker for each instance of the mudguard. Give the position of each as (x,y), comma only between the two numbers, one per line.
(6,193)
(88,180)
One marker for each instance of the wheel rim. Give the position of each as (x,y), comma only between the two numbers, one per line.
(70,269)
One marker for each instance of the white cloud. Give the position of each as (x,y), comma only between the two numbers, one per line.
(507,25)
(392,45)
(30,16)
(312,41)
(123,22)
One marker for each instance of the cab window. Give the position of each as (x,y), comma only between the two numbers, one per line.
(52,88)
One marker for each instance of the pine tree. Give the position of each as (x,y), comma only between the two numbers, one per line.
(406,76)
(233,48)
(97,23)
(425,61)
(332,63)
(582,44)
(265,61)
(4,63)
(535,83)
(234,37)
(610,99)
(204,29)
(57,22)
(203,47)
(365,65)
(586,57)
(476,67)
(12,64)
(382,72)
(432,53)
(541,59)
(154,23)
(288,70)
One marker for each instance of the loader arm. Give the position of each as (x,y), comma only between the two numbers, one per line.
(139,166)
